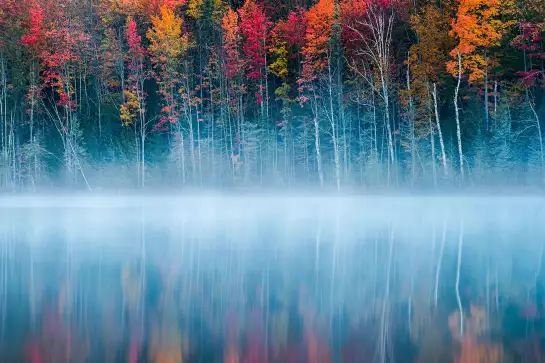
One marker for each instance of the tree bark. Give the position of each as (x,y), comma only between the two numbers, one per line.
(441,141)
(457,113)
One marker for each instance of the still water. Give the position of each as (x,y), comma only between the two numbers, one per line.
(272,278)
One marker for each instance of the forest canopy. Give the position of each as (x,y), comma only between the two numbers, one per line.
(328,93)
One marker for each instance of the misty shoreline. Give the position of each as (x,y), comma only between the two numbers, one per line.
(492,191)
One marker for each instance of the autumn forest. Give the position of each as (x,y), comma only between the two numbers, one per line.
(335,94)
(349,107)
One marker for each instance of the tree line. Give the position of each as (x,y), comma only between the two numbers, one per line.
(330,93)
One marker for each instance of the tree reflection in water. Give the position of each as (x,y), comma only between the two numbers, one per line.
(240,279)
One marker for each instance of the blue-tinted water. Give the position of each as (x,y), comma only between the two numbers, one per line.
(272,279)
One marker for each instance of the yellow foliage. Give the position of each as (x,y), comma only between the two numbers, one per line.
(166,40)
(280,66)
(129,109)
(136,8)
(431,52)
(217,11)
(194,8)
(111,11)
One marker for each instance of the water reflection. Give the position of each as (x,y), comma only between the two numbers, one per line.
(272,279)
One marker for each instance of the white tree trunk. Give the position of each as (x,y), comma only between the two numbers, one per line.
(538,126)
(411,119)
(334,131)
(386,96)
(441,141)
(457,113)
(432,138)
(317,146)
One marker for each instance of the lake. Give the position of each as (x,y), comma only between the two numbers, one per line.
(272,278)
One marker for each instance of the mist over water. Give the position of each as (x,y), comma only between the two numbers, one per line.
(270,278)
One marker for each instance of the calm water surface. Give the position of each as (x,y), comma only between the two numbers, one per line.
(272,279)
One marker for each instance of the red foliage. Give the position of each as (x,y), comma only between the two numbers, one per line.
(57,43)
(136,50)
(293,29)
(35,38)
(388,3)
(255,27)
(530,41)
(258,97)
(530,38)
(352,12)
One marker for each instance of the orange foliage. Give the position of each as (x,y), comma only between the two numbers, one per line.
(351,8)
(231,44)
(317,48)
(155,6)
(477,28)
